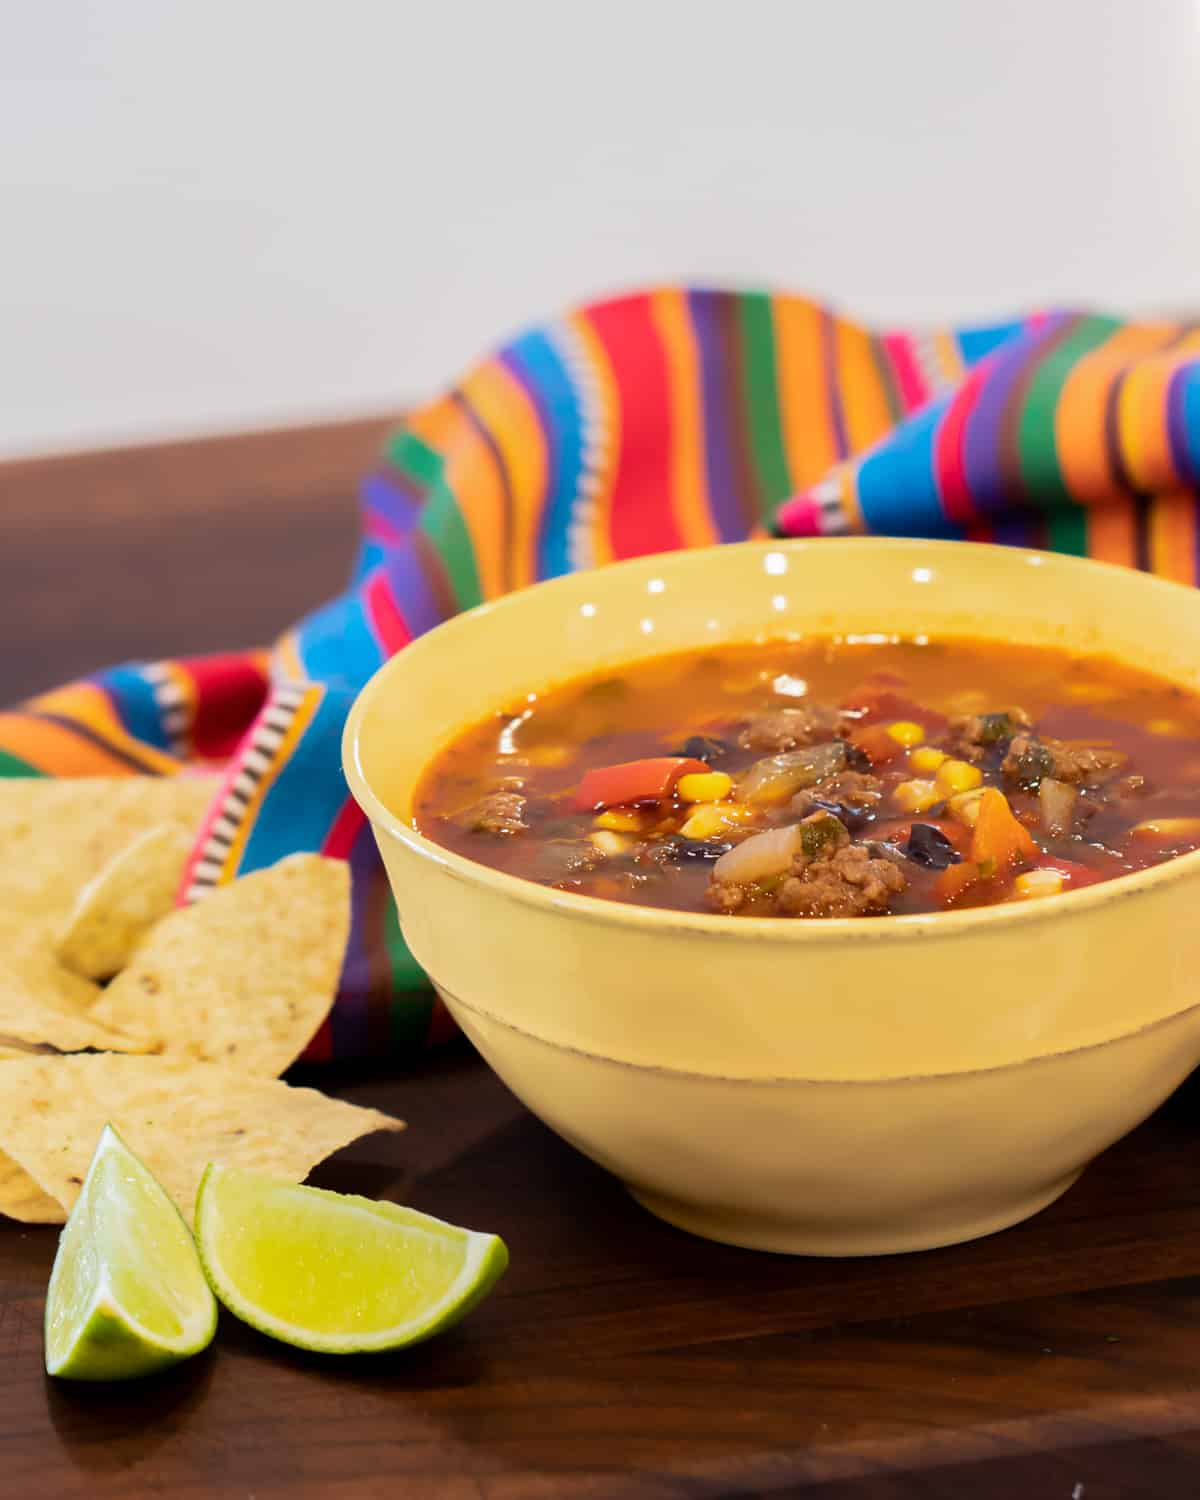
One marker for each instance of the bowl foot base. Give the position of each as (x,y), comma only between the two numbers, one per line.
(784,1236)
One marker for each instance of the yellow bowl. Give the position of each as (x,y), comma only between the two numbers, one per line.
(831,1087)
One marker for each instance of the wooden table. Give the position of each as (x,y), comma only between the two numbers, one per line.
(1057,1361)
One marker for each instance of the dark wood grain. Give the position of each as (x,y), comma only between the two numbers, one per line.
(619,1358)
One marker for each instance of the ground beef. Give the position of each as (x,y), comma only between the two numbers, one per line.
(501,813)
(850,883)
(1030,759)
(857,790)
(838,879)
(973,735)
(784,729)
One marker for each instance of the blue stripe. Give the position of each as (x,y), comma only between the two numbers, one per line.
(536,363)
(977,343)
(132,695)
(897,491)
(337,645)
(303,801)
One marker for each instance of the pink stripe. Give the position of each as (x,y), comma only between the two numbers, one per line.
(390,626)
(340,838)
(800,516)
(911,382)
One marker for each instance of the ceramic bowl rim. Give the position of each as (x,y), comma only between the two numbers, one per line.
(710,926)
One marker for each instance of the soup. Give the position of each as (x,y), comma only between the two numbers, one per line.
(829,778)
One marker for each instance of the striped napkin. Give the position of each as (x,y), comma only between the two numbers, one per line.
(672,418)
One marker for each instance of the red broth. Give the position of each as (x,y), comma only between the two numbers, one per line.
(852,777)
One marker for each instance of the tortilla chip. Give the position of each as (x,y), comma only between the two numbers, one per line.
(21,1198)
(244,977)
(119,905)
(57,834)
(41,1003)
(177,1115)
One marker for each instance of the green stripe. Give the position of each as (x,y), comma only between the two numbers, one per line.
(761,402)
(441,519)
(11,766)
(412,997)
(1037,452)
(1066,529)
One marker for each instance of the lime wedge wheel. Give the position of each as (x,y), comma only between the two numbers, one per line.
(333,1272)
(127,1293)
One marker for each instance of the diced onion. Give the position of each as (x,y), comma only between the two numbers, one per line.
(1056,806)
(777,777)
(760,856)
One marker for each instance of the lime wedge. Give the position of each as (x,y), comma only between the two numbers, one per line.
(334,1272)
(127,1293)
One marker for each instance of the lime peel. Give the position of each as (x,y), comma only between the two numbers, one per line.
(337,1273)
(127,1294)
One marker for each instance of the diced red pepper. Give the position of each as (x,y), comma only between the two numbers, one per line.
(651,780)
(876,744)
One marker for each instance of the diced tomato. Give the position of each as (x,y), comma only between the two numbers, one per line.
(876,744)
(650,780)
(876,701)
(954,880)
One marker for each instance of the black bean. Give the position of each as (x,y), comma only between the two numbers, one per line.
(857,760)
(855,818)
(703,747)
(680,848)
(929,846)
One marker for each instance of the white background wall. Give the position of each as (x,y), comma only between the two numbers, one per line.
(232,212)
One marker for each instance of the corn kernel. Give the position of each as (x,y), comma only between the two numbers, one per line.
(916,796)
(965,807)
(707,819)
(906,733)
(619,822)
(1035,883)
(608,843)
(955,776)
(926,759)
(704,786)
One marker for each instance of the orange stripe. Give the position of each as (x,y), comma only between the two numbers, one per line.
(949,358)
(1173,537)
(286,661)
(279,758)
(607,415)
(1080,418)
(803,398)
(864,400)
(1112,532)
(56,751)
(504,408)
(1142,425)
(435,422)
(92,708)
(689,483)
(471,473)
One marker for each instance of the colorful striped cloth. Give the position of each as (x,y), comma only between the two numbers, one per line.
(674,418)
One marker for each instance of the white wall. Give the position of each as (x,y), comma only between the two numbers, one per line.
(231,212)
